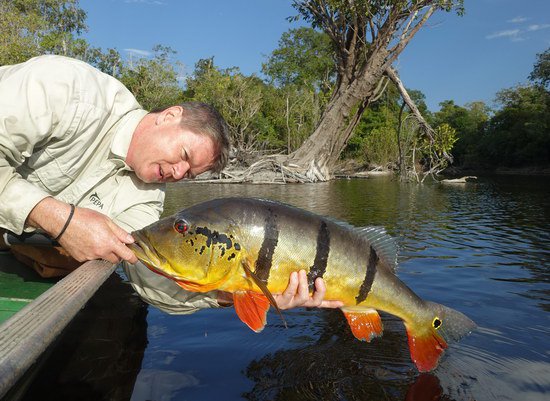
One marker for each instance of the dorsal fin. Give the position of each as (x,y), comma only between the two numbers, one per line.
(382,242)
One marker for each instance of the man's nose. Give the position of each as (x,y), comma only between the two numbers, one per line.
(179,170)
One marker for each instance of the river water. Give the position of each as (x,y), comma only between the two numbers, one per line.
(482,248)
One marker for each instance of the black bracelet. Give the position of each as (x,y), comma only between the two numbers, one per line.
(66,223)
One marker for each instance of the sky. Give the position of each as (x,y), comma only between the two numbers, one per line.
(462,58)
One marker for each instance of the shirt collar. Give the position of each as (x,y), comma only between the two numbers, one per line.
(124,131)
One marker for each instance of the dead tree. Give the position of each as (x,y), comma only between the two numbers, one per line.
(367,36)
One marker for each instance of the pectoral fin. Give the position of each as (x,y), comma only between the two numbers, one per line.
(251,308)
(261,285)
(365,324)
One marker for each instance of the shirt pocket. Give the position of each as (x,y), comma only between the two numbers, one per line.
(49,173)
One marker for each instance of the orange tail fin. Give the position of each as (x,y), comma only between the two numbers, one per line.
(365,324)
(251,308)
(428,339)
(425,349)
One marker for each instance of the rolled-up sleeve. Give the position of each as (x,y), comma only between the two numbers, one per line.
(29,116)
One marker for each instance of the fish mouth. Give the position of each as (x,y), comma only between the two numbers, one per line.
(150,257)
(144,252)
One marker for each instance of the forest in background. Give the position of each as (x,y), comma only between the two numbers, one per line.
(277,112)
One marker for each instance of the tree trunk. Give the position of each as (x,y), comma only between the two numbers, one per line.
(320,152)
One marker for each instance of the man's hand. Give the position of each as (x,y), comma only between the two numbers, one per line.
(296,294)
(90,235)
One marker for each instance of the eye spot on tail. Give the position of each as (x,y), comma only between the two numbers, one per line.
(436,323)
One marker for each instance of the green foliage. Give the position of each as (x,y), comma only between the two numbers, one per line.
(375,138)
(468,122)
(29,28)
(519,133)
(541,69)
(304,58)
(443,140)
(153,81)
(238,98)
(349,9)
(381,146)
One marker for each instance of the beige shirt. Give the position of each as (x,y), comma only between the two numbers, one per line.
(65,129)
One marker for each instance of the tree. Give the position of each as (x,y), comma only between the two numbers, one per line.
(541,69)
(367,37)
(153,81)
(304,58)
(29,28)
(238,98)
(518,135)
(469,122)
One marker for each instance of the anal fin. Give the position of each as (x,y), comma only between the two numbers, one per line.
(251,308)
(365,324)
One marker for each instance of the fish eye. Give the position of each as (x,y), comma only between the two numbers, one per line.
(436,323)
(181,226)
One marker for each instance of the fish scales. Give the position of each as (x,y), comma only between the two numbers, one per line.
(249,247)
(292,239)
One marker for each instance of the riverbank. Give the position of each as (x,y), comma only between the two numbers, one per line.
(533,171)
(236,174)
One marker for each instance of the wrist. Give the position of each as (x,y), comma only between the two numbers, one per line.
(50,215)
(67,222)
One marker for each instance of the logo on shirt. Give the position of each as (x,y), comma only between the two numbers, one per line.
(94,198)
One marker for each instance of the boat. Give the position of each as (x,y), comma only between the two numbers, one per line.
(34,311)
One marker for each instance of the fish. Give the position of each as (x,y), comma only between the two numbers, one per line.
(249,247)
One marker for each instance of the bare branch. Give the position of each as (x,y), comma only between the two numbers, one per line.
(423,124)
(407,36)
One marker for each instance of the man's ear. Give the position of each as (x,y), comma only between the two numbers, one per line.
(168,114)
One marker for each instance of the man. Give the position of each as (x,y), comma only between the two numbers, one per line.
(83,162)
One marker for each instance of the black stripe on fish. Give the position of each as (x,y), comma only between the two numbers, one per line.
(321,256)
(369,277)
(265,255)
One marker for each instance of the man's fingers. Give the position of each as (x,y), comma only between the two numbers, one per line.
(331,304)
(122,235)
(290,291)
(123,252)
(303,289)
(319,294)
(112,258)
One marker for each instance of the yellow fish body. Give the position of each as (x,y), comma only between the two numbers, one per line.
(249,247)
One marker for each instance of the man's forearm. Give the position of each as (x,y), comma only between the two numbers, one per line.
(49,215)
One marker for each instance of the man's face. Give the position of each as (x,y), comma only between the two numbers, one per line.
(167,152)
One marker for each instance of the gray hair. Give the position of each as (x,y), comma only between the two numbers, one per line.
(203,119)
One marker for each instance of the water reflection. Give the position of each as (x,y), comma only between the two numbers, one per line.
(338,367)
(99,354)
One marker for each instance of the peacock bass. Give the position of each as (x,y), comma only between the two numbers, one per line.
(249,247)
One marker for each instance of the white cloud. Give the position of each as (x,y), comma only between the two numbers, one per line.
(517,20)
(510,33)
(517,34)
(139,52)
(537,27)
(151,2)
